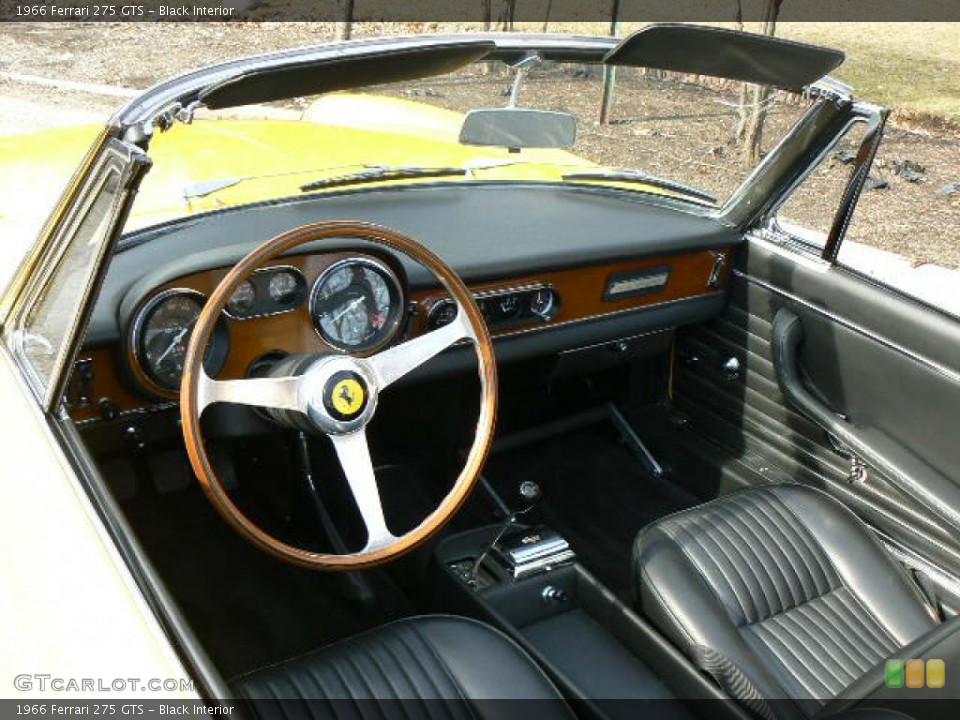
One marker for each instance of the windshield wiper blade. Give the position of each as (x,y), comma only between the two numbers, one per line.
(379,173)
(638,176)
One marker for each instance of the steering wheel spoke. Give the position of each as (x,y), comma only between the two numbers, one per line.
(280,393)
(354,454)
(391,365)
(337,395)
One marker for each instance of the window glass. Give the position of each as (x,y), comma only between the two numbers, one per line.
(695,134)
(905,232)
(47,324)
(809,211)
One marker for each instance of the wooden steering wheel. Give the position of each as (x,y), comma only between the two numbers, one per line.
(309,397)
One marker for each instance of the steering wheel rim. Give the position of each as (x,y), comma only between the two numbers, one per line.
(305,393)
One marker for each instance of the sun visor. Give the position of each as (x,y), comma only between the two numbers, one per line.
(728,54)
(342,72)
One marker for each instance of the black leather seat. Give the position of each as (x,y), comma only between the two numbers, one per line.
(433,666)
(780,593)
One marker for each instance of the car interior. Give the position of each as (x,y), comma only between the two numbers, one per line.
(665,451)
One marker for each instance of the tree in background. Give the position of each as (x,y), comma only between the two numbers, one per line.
(508,15)
(757,97)
(343,28)
(744,87)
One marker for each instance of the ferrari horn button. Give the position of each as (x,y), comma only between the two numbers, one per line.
(345,395)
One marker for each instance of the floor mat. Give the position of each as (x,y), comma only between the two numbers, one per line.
(248,608)
(595,492)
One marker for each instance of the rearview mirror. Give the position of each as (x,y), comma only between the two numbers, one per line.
(518,128)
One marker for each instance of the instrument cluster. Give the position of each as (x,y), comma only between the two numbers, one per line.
(356,305)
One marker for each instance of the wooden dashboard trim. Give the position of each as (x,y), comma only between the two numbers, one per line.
(582,289)
(117,376)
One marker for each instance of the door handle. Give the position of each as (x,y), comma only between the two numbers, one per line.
(788,336)
(890,458)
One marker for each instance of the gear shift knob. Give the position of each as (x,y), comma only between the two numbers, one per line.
(529,494)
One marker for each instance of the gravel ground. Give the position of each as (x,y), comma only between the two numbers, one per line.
(652,119)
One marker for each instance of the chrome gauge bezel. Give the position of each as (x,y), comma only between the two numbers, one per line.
(396,315)
(216,354)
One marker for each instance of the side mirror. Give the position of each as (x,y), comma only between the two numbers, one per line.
(518,128)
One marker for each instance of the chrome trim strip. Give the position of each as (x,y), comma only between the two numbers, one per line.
(512,290)
(946,372)
(543,564)
(608,343)
(913,559)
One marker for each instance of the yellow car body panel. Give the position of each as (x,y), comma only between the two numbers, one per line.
(271,158)
(75,610)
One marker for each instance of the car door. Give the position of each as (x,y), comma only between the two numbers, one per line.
(75,618)
(819,374)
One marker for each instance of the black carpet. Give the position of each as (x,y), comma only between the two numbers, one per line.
(247,608)
(595,492)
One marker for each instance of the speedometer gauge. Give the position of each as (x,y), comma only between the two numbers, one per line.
(356,305)
(161,333)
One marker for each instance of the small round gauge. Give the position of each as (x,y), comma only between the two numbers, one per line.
(543,303)
(161,333)
(357,305)
(508,306)
(442,314)
(242,299)
(283,287)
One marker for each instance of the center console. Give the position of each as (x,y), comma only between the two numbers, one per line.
(527,582)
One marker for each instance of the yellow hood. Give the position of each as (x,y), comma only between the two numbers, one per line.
(215,163)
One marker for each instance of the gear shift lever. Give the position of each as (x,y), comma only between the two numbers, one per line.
(528,494)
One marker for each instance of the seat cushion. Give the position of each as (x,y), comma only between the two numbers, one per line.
(779,592)
(433,666)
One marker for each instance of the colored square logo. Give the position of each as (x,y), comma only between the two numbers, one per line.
(914,673)
(894,673)
(936,673)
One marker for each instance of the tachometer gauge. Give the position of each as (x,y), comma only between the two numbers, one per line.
(161,333)
(357,305)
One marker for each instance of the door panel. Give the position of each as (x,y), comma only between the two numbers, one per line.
(869,362)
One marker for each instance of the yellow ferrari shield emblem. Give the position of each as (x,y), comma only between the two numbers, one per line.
(348,396)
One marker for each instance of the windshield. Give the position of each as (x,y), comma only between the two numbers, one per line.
(689,138)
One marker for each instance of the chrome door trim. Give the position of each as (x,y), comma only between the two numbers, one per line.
(62,213)
(913,559)
(37,272)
